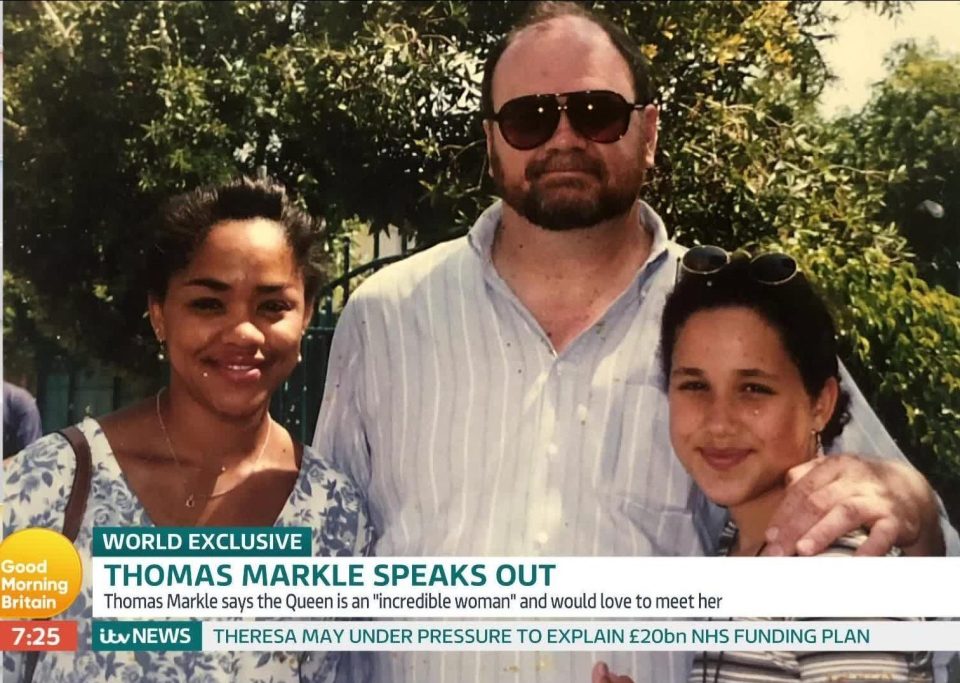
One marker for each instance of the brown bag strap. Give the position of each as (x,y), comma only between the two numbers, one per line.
(73,515)
(77,502)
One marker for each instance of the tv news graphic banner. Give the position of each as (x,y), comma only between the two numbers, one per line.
(515,603)
(250,573)
(570,635)
(40,577)
(512,636)
(499,603)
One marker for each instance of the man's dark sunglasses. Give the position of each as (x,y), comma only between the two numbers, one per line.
(772,268)
(598,115)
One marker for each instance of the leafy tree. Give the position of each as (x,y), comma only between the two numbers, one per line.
(911,129)
(368,110)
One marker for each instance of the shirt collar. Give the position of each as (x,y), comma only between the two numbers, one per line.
(484,230)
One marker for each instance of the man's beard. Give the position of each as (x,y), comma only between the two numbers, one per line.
(556,209)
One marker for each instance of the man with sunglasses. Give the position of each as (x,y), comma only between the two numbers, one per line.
(499,394)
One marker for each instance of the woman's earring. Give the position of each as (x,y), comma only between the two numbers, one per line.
(299,357)
(162,351)
(818,441)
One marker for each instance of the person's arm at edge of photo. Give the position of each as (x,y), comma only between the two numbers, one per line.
(29,427)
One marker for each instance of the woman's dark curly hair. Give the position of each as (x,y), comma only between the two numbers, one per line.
(184,221)
(793,309)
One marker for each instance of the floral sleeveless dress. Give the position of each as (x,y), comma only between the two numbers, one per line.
(37,486)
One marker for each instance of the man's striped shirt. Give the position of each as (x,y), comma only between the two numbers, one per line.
(472,436)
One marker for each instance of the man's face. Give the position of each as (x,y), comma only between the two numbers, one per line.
(569,181)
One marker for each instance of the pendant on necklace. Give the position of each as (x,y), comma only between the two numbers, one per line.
(190,502)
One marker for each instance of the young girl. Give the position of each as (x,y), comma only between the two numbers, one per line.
(750,359)
(232,279)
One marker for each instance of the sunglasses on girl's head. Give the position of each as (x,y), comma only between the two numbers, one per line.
(598,115)
(772,268)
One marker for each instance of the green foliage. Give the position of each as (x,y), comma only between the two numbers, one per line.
(911,129)
(368,110)
(904,339)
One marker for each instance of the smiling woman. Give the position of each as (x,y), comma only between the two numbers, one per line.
(232,273)
(749,357)
(233,317)
(750,363)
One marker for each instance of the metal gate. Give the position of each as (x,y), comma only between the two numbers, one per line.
(297,402)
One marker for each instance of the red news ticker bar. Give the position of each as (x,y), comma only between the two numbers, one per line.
(38,635)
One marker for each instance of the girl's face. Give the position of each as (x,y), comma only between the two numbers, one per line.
(233,318)
(740,416)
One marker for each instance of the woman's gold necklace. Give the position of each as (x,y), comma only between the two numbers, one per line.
(191,497)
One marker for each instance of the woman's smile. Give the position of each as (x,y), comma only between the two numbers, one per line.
(724,458)
(237,369)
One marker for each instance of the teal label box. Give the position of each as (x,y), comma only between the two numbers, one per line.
(113,541)
(147,635)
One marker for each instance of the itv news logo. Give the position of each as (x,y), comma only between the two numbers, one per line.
(147,635)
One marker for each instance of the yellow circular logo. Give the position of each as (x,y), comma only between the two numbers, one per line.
(40,574)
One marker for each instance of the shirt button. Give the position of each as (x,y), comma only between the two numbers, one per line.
(552,449)
(543,537)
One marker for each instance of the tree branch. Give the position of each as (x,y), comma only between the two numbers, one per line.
(164,35)
(57,24)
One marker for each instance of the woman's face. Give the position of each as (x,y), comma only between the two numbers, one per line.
(233,318)
(739,414)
